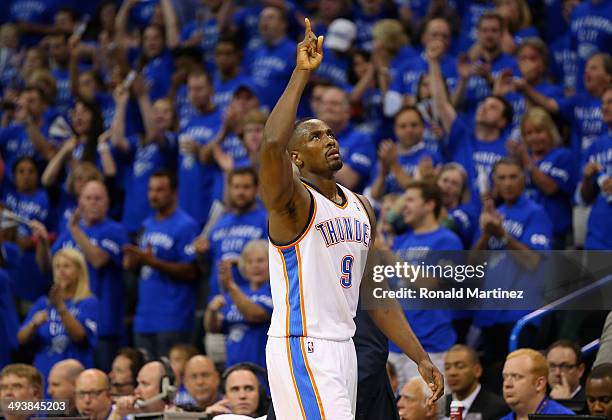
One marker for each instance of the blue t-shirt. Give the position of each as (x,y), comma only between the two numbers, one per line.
(246,341)
(158,74)
(475,155)
(433,328)
(563,61)
(478,88)
(357,151)
(407,77)
(33,11)
(9,324)
(105,282)
(233,146)
(229,236)
(528,223)
(591,32)
(334,68)
(470,12)
(51,340)
(30,283)
(409,161)
(170,240)
(146,159)
(583,113)
(224,89)
(365,25)
(184,109)
(599,228)
(15,143)
(463,220)
(199,184)
(210,30)
(547,406)
(558,164)
(270,67)
(517,100)
(142,13)
(63,98)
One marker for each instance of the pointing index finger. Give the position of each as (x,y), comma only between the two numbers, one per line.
(308,27)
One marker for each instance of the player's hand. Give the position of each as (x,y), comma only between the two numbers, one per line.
(433,378)
(310,50)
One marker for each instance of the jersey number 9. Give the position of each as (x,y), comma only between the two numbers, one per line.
(346,268)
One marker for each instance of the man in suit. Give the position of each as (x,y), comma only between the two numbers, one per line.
(565,369)
(463,370)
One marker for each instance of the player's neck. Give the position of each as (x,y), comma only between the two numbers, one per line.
(326,185)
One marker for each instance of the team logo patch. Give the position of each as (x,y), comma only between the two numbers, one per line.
(309,347)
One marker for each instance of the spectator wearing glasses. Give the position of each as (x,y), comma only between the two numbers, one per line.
(565,368)
(93,394)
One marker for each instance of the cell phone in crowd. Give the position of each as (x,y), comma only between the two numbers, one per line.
(129,79)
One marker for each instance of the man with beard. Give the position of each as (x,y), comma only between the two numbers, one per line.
(168,274)
(243,220)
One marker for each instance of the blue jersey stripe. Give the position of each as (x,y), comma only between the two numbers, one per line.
(296,327)
(302,379)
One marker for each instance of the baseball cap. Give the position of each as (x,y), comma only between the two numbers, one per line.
(340,35)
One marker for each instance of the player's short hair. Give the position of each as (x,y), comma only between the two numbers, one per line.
(540,365)
(430,192)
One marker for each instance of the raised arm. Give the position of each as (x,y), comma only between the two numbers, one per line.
(281,190)
(440,98)
(171,24)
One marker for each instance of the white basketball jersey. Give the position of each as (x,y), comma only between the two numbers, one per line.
(315,279)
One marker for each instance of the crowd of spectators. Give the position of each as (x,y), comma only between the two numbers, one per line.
(131,227)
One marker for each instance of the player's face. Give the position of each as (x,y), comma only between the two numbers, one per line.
(408,128)
(319,150)
(599,397)
(537,138)
(242,191)
(460,371)
(242,391)
(18,388)
(519,383)
(509,182)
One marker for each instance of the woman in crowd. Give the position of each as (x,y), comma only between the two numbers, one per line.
(87,126)
(551,173)
(517,17)
(457,214)
(63,324)
(30,202)
(243,314)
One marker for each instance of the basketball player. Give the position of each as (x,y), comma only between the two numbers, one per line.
(320,237)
